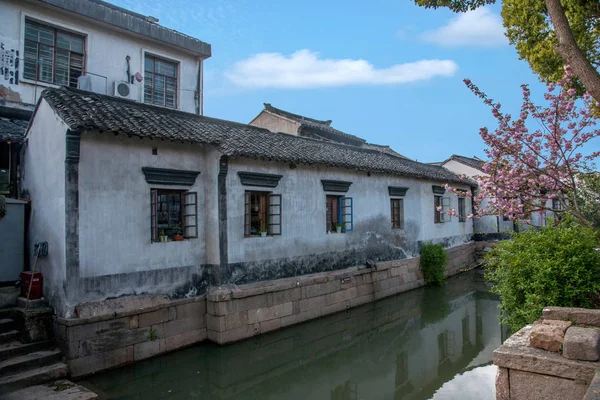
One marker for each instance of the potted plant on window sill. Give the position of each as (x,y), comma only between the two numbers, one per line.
(263,232)
(162,236)
(178,237)
(339,228)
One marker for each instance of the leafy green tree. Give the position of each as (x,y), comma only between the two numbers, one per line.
(548,34)
(555,266)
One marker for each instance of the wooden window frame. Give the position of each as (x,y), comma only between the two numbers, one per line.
(397,220)
(462,209)
(270,211)
(339,209)
(441,217)
(188,208)
(165,77)
(55,32)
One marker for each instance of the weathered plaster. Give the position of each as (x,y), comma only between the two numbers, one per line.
(276,123)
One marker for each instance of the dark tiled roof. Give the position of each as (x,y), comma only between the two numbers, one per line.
(384,148)
(469,161)
(317,129)
(83,111)
(12,129)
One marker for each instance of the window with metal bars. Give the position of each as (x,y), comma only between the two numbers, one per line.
(262,214)
(173,213)
(397,211)
(160,81)
(53,55)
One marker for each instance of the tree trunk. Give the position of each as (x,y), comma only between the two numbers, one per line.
(568,49)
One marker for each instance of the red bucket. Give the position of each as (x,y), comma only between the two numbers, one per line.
(37,282)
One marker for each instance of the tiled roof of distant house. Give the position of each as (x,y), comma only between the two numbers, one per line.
(86,111)
(133,22)
(472,162)
(12,130)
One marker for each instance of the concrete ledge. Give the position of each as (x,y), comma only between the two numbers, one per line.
(579,316)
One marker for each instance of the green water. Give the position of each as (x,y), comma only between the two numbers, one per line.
(427,343)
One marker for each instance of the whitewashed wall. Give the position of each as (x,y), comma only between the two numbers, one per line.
(106,49)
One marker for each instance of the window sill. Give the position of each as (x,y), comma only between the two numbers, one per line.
(171,241)
(39,83)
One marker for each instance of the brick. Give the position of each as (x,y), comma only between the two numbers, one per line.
(113,340)
(284,296)
(236,320)
(312,303)
(144,350)
(154,317)
(215,323)
(267,313)
(300,317)
(191,310)
(100,361)
(185,339)
(271,325)
(342,295)
(251,303)
(134,322)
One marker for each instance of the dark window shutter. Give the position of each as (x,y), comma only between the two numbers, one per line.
(190,215)
(153,212)
(247,213)
(274,215)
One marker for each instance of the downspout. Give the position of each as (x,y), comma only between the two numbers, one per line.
(72,287)
(200,89)
(222,215)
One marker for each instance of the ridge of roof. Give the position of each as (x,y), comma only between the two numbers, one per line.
(85,111)
(472,162)
(297,117)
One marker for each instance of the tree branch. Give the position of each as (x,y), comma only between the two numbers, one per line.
(570,52)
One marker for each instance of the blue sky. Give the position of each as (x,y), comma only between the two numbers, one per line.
(385,70)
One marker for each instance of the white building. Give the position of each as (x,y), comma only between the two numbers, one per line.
(52,43)
(103,198)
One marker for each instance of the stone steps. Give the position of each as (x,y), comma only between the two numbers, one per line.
(15,348)
(6,324)
(29,360)
(32,377)
(9,336)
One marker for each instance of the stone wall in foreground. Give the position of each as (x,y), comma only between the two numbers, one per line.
(129,329)
(238,312)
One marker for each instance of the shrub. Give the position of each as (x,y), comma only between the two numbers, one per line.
(553,266)
(433,260)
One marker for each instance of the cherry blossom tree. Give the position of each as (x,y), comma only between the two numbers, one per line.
(536,161)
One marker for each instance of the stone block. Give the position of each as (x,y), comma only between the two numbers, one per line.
(335,307)
(582,344)
(527,385)
(195,309)
(185,339)
(502,384)
(271,325)
(215,323)
(367,279)
(284,296)
(238,334)
(100,361)
(154,317)
(147,349)
(112,340)
(179,326)
(87,331)
(380,275)
(386,283)
(134,322)
(300,317)
(364,289)
(357,301)
(319,289)
(251,303)
(563,324)
(223,307)
(340,296)
(236,320)
(267,313)
(172,313)
(593,391)
(580,316)
(547,337)
(312,303)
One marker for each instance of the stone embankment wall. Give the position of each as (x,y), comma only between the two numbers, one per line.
(555,358)
(120,331)
(238,312)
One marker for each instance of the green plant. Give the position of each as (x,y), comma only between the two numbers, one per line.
(433,262)
(262,230)
(162,234)
(152,335)
(340,225)
(179,229)
(553,266)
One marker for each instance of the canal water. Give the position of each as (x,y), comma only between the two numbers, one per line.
(427,343)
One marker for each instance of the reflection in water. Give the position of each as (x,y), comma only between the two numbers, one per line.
(427,343)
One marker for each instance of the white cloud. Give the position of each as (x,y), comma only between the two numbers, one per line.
(480,28)
(304,69)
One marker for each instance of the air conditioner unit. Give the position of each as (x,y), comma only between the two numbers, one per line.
(124,90)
